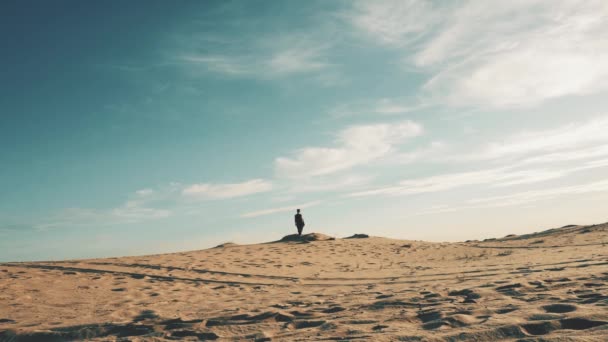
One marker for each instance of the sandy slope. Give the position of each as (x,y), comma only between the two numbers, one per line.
(551,285)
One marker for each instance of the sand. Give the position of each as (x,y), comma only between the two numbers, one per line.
(549,286)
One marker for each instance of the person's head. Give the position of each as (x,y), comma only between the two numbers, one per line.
(298,210)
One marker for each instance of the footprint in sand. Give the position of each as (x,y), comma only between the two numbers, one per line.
(507,309)
(543,328)
(559,308)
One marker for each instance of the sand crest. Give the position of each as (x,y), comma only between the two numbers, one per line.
(551,285)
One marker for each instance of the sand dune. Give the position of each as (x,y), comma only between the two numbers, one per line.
(549,286)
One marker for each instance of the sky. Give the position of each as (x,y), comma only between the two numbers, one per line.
(142,127)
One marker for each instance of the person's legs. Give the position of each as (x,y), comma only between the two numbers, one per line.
(300,230)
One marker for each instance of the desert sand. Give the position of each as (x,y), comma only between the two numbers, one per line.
(547,286)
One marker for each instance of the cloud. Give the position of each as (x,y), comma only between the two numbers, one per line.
(279,210)
(269,58)
(130,212)
(496,55)
(222,64)
(578,141)
(223,191)
(519,53)
(394,22)
(496,177)
(144,192)
(574,141)
(324,184)
(568,142)
(539,195)
(297,59)
(435,151)
(383,106)
(521,198)
(153,204)
(355,145)
(583,153)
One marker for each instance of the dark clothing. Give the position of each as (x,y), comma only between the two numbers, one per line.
(299,223)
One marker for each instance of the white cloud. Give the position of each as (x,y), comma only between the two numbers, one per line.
(269,58)
(356,145)
(470,29)
(496,177)
(222,64)
(144,192)
(539,195)
(321,184)
(435,151)
(595,163)
(297,60)
(131,211)
(279,210)
(383,106)
(519,53)
(583,153)
(389,106)
(221,191)
(153,204)
(521,198)
(496,54)
(568,142)
(395,22)
(584,142)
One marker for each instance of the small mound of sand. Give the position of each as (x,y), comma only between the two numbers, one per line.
(306,237)
(358,236)
(226,244)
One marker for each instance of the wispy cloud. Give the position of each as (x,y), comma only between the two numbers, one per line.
(298,59)
(571,155)
(326,184)
(569,137)
(355,145)
(521,198)
(130,212)
(267,58)
(384,106)
(154,203)
(280,209)
(144,192)
(495,177)
(435,151)
(222,64)
(538,195)
(574,141)
(230,190)
(395,22)
(519,53)
(498,55)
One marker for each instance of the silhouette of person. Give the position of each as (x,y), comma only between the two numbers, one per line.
(299,222)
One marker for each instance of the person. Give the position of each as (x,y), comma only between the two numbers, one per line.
(299,222)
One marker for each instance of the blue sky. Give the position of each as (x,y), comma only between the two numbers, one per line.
(158,126)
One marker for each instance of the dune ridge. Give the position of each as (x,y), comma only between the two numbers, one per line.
(545,286)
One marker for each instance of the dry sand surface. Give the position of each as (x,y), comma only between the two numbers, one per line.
(548,286)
